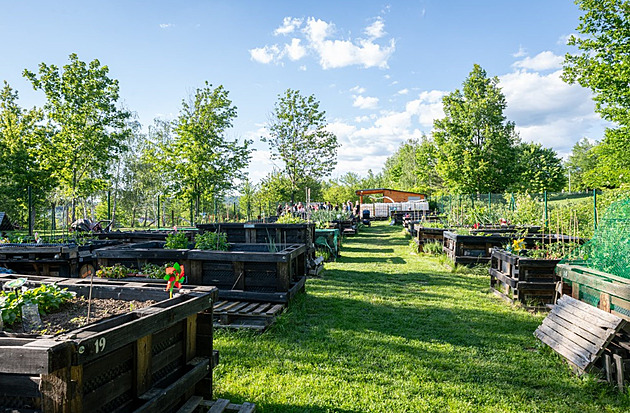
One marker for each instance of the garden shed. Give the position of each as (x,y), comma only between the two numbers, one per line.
(392,195)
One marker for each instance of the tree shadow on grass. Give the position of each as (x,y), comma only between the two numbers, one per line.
(370,250)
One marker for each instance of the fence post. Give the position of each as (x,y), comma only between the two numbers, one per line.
(546,213)
(109,205)
(512,202)
(594,209)
(157,225)
(30,211)
(192,202)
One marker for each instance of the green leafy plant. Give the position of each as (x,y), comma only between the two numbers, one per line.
(48,297)
(176,240)
(290,219)
(150,270)
(432,247)
(216,241)
(115,271)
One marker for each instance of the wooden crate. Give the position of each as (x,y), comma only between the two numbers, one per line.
(599,289)
(250,271)
(529,281)
(471,249)
(426,234)
(148,360)
(142,236)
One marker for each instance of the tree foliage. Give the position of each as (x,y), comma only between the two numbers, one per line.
(200,157)
(26,157)
(299,139)
(538,169)
(582,160)
(475,142)
(88,128)
(413,167)
(602,64)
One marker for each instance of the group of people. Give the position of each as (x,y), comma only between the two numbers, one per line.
(300,208)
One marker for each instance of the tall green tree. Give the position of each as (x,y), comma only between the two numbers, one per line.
(601,64)
(89,128)
(400,170)
(475,142)
(200,157)
(299,139)
(25,156)
(539,169)
(582,160)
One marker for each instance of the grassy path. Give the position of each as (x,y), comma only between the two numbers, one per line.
(388,331)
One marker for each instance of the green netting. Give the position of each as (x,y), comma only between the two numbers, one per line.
(609,248)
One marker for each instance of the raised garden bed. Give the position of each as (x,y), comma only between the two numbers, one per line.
(529,281)
(151,359)
(143,236)
(328,240)
(472,249)
(245,272)
(599,289)
(428,234)
(261,233)
(61,260)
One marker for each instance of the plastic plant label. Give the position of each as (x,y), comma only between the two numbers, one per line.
(30,318)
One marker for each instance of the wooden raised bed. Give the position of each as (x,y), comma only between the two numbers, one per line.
(142,236)
(148,360)
(599,289)
(471,249)
(245,272)
(262,233)
(328,239)
(529,281)
(61,260)
(426,234)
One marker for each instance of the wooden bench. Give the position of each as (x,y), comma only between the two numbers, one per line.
(582,334)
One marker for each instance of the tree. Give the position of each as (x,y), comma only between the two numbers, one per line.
(298,138)
(602,65)
(25,156)
(539,169)
(89,130)
(201,159)
(582,160)
(475,142)
(400,170)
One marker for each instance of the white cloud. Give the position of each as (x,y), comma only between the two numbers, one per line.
(265,54)
(548,110)
(403,92)
(358,89)
(295,50)
(303,68)
(318,40)
(166,25)
(362,102)
(521,52)
(542,61)
(376,30)
(289,25)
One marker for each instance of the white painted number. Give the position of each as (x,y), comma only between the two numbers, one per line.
(100,344)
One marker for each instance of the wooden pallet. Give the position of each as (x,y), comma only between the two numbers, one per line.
(198,404)
(246,315)
(579,332)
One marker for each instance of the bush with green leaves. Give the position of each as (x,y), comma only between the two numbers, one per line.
(176,241)
(432,247)
(215,241)
(48,297)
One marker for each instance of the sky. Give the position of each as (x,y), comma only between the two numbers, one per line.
(378,68)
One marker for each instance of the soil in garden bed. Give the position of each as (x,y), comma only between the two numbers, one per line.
(73,315)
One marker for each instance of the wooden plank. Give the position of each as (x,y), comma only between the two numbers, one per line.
(199,368)
(547,337)
(247,408)
(585,313)
(143,364)
(190,336)
(237,308)
(219,406)
(263,307)
(569,333)
(585,330)
(107,392)
(249,308)
(275,309)
(191,405)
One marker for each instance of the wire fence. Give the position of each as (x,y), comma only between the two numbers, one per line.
(574,213)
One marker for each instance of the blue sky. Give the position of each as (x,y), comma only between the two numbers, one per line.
(378,68)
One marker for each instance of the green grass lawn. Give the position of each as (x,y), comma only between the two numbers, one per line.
(388,331)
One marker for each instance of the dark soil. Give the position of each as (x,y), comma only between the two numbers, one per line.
(74,314)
